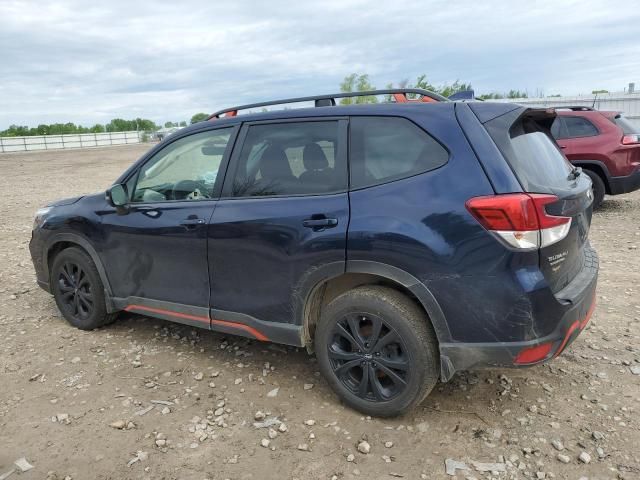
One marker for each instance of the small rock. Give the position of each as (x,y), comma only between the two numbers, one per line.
(351,457)
(198,376)
(308,386)
(303,447)
(265,442)
(563,458)
(597,435)
(259,415)
(309,423)
(119,424)
(282,428)
(75,360)
(584,457)
(635,370)
(273,393)
(272,433)
(388,444)
(165,411)
(237,381)
(557,444)
(364,447)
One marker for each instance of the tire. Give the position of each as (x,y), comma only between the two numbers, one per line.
(598,188)
(78,290)
(400,374)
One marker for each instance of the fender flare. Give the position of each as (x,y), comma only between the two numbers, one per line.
(85,245)
(411,283)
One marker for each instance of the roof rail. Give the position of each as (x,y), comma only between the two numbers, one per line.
(399,95)
(574,108)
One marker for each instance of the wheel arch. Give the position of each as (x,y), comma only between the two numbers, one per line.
(597,167)
(62,241)
(360,273)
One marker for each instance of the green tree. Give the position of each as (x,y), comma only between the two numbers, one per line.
(357,83)
(595,92)
(183,123)
(199,117)
(168,124)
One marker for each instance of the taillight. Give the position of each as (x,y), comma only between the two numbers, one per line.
(520,219)
(533,354)
(630,139)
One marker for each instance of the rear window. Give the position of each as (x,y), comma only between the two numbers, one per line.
(531,152)
(626,125)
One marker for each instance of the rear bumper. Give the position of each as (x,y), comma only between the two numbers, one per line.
(579,296)
(629,183)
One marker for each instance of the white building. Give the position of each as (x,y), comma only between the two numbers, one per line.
(629,103)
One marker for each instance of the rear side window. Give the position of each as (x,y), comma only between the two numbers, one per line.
(626,126)
(383,149)
(579,127)
(290,158)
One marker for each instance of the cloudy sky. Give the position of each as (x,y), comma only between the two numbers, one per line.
(88,62)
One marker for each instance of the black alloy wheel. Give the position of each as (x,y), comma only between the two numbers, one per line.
(78,289)
(76,293)
(369,357)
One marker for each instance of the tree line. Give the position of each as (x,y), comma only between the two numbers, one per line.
(361,83)
(115,125)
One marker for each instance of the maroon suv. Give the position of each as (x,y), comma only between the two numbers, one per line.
(605,144)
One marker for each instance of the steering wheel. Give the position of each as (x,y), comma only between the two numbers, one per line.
(189,189)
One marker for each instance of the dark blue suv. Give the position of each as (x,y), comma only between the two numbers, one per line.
(401,241)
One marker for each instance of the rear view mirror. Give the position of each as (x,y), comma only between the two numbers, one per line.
(117,195)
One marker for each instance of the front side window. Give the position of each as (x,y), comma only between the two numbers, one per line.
(184,170)
(296,158)
(383,149)
(579,127)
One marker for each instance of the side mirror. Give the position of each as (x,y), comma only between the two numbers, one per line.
(117,197)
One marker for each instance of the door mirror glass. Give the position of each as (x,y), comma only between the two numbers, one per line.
(118,195)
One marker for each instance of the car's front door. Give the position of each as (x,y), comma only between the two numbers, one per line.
(155,255)
(280,225)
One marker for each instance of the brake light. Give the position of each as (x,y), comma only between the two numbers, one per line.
(520,219)
(630,139)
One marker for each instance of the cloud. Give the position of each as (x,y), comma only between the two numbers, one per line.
(70,61)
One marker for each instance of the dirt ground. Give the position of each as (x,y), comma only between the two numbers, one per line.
(80,405)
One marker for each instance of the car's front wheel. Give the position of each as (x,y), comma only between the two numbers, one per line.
(78,290)
(377,350)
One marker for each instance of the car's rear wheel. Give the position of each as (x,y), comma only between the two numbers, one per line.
(78,290)
(377,350)
(597,187)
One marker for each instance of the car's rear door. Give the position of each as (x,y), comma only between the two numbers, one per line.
(523,138)
(280,225)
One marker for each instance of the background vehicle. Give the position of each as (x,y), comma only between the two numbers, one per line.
(605,144)
(353,230)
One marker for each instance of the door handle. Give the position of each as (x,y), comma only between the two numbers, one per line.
(563,147)
(192,222)
(319,224)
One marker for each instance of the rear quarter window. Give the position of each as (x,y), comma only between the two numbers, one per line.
(384,149)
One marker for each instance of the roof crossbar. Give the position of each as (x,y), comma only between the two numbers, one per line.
(399,95)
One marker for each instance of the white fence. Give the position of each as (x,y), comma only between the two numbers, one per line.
(56,142)
(629,103)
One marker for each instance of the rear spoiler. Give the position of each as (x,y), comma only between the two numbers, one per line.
(465,95)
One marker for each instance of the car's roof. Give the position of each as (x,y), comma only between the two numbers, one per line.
(380,109)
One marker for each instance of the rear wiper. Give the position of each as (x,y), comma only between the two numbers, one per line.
(575,173)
